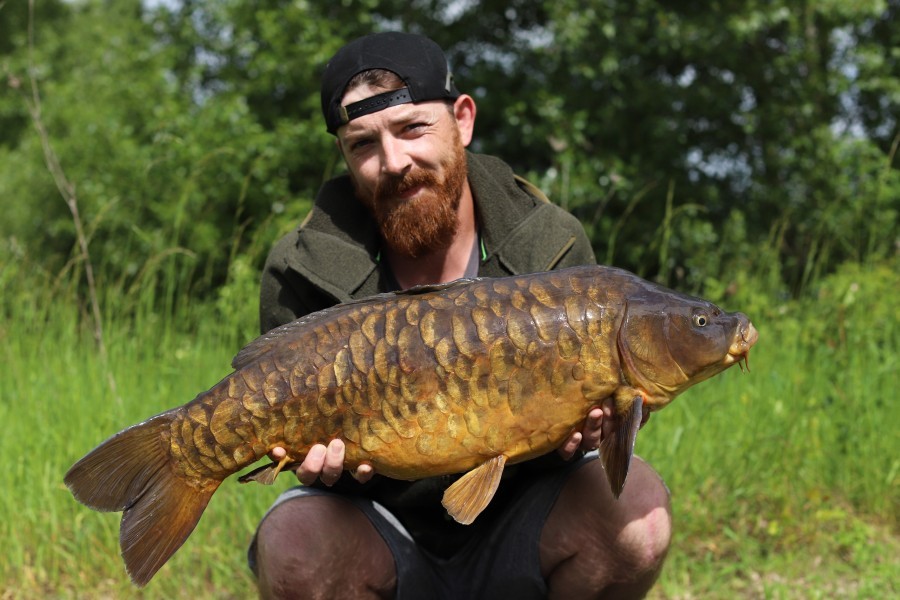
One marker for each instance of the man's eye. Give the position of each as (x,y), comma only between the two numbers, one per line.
(414,126)
(359,144)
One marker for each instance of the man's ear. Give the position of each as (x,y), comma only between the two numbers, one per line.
(464,111)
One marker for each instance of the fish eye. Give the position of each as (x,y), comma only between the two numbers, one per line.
(701,320)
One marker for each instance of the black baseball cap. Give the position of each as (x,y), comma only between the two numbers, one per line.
(416,59)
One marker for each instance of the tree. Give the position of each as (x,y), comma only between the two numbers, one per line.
(694,140)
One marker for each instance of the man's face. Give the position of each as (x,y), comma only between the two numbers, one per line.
(408,166)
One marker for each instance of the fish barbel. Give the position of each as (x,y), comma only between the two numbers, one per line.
(462,377)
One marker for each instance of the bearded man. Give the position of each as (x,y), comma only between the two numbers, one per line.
(415,207)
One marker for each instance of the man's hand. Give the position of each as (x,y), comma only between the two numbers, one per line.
(324,463)
(590,435)
(588,438)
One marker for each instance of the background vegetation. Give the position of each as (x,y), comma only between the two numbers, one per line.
(745,151)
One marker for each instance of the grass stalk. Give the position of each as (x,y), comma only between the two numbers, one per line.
(67,190)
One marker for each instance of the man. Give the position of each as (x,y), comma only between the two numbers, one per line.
(417,208)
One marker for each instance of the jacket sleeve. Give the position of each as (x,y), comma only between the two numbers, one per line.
(281,297)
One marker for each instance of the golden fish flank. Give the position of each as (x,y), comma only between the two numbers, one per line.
(460,377)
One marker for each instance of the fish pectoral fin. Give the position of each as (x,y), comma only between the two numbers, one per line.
(266,474)
(471,493)
(617,447)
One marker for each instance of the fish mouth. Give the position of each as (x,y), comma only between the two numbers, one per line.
(739,352)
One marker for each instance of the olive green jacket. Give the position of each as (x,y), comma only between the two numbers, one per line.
(334,255)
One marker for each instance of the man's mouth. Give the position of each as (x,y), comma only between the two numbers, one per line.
(409,192)
(405,188)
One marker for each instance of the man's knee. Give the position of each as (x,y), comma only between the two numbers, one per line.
(647,532)
(311,547)
(596,546)
(286,556)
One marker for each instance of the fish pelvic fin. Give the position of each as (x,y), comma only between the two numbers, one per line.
(266,474)
(617,446)
(471,493)
(132,472)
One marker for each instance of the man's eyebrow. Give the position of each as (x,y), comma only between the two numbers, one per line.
(421,113)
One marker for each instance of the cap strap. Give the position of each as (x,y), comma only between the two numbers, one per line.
(374,104)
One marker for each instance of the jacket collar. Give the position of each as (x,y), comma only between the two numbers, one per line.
(338,244)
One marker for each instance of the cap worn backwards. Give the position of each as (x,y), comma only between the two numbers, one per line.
(415,59)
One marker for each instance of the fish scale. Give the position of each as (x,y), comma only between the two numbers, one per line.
(463,377)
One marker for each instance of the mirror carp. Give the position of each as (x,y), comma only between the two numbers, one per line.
(463,377)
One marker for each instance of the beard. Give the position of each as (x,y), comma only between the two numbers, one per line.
(418,226)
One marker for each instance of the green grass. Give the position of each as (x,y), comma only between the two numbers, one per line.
(785,481)
(56,404)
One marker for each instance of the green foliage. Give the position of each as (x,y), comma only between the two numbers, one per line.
(192,130)
(752,107)
(163,176)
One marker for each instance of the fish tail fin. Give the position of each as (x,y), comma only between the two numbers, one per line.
(132,472)
(617,446)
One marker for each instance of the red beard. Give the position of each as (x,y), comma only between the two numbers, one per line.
(428,222)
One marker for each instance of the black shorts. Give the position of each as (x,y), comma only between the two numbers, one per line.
(502,561)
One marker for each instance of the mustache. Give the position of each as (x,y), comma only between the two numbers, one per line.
(393,186)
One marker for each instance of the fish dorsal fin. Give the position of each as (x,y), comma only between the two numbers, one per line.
(437,287)
(617,447)
(472,492)
(264,343)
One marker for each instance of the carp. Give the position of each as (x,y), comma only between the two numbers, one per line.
(463,377)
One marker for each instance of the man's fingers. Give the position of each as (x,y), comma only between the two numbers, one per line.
(334,463)
(567,450)
(363,472)
(322,463)
(593,429)
(311,467)
(588,438)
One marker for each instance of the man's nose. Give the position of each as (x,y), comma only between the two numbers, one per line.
(394,159)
